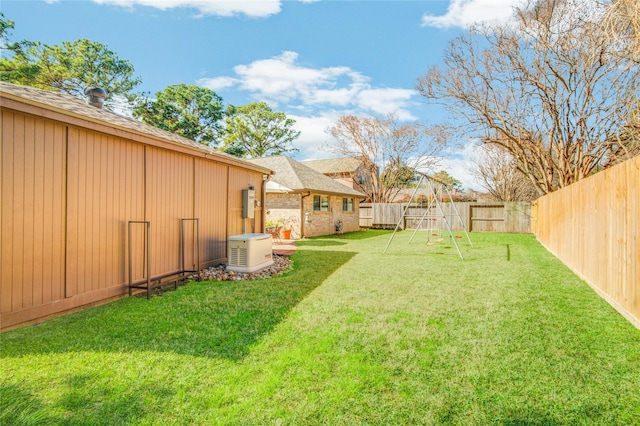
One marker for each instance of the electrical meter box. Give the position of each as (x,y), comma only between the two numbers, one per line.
(248,203)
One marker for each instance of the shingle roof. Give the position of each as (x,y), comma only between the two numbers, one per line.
(72,106)
(298,177)
(335,165)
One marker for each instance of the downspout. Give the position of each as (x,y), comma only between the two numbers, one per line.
(265,179)
(302,197)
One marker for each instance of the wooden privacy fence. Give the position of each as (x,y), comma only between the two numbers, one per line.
(593,226)
(512,217)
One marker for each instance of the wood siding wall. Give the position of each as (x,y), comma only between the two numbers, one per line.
(33,212)
(170,196)
(211,206)
(67,195)
(241,178)
(105,188)
(513,217)
(593,226)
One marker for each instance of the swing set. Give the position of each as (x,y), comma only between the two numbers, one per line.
(433,214)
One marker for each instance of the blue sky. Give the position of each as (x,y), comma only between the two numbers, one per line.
(313,60)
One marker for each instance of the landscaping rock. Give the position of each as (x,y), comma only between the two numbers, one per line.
(220,273)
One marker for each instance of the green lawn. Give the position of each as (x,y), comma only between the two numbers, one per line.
(350,336)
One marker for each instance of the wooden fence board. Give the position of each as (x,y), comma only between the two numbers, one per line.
(494,217)
(593,226)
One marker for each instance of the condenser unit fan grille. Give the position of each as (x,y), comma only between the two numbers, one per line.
(238,256)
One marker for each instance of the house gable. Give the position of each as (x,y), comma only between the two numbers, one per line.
(348,171)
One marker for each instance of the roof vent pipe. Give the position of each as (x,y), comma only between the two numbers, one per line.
(95,96)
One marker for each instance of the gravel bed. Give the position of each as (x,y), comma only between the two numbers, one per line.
(280,265)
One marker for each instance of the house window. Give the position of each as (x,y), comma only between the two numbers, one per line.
(321,203)
(347,204)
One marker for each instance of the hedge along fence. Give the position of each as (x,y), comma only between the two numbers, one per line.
(593,226)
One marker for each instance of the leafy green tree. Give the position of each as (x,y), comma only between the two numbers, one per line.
(5,26)
(70,68)
(187,110)
(9,69)
(398,174)
(443,177)
(254,130)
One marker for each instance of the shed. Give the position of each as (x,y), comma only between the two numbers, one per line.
(76,178)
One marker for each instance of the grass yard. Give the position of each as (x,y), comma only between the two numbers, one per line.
(350,336)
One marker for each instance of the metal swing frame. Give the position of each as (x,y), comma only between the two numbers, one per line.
(440,214)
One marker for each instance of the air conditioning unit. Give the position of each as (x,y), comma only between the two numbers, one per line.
(249,252)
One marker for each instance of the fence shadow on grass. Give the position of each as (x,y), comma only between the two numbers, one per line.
(338,239)
(208,319)
(320,243)
(79,403)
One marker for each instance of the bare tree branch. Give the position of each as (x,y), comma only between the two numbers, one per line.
(387,149)
(498,173)
(551,91)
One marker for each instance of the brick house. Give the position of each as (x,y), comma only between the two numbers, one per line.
(308,202)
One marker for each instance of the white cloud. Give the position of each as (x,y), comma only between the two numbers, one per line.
(465,13)
(218,83)
(282,80)
(460,163)
(314,97)
(387,101)
(314,141)
(254,9)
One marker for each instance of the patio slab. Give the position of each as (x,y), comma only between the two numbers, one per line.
(284,247)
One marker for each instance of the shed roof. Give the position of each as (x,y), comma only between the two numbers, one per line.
(335,165)
(299,178)
(73,107)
